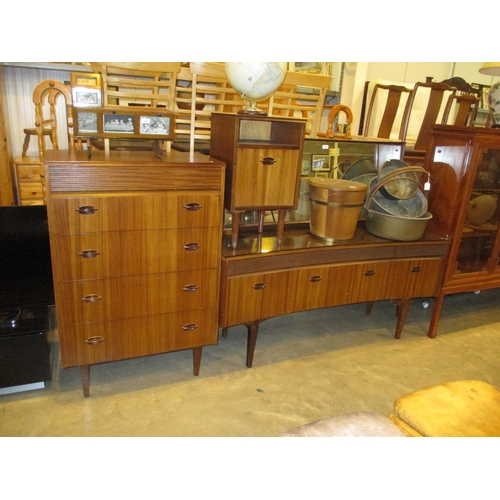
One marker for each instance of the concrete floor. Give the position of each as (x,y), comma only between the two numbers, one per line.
(307,366)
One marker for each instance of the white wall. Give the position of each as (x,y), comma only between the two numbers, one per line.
(356,74)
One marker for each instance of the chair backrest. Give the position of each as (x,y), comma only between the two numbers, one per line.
(301,95)
(49,92)
(437,94)
(392,95)
(466,109)
(201,90)
(149,84)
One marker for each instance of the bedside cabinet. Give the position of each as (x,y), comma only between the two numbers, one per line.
(136,246)
(263,156)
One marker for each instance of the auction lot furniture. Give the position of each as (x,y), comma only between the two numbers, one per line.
(261,279)
(263,157)
(464,166)
(135,243)
(465,408)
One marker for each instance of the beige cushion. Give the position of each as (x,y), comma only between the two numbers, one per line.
(362,424)
(462,408)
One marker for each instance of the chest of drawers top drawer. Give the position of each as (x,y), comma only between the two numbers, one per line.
(134,211)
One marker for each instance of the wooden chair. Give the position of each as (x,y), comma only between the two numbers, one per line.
(50,92)
(466,111)
(45,94)
(392,95)
(150,84)
(301,95)
(201,90)
(439,94)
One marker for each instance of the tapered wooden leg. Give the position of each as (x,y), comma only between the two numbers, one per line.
(402,311)
(436,313)
(369,306)
(281,225)
(253,329)
(197,360)
(224,332)
(26,144)
(85,378)
(235,230)
(261,221)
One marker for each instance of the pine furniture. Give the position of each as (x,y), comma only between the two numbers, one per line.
(135,244)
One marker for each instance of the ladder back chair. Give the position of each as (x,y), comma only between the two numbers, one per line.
(392,94)
(201,90)
(149,84)
(302,95)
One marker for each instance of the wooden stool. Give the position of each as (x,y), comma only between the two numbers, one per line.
(456,409)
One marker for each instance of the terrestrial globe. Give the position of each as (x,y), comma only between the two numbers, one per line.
(255,81)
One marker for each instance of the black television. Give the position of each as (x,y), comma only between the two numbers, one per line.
(25,265)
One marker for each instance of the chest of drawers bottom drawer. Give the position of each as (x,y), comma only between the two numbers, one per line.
(129,338)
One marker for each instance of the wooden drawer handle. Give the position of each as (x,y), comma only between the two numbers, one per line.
(87,210)
(93,297)
(191,288)
(416,269)
(315,279)
(268,160)
(94,340)
(259,286)
(190,327)
(192,206)
(89,254)
(191,246)
(370,272)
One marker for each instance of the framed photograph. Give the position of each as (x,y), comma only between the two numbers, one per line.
(87,122)
(88,80)
(321,174)
(320,163)
(118,123)
(154,125)
(84,97)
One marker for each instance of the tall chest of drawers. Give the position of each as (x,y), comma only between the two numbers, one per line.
(135,245)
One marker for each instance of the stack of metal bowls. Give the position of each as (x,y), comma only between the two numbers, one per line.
(395,206)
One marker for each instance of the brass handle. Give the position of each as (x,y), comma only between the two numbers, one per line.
(87,210)
(190,327)
(192,206)
(259,286)
(89,254)
(190,288)
(315,279)
(416,269)
(268,160)
(94,340)
(371,272)
(191,246)
(93,297)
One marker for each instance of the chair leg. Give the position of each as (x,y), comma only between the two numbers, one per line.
(26,145)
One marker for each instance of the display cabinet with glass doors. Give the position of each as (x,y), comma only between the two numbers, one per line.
(464,166)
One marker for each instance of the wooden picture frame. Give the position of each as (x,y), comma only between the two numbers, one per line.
(129,122)
(86,90)
(320,163)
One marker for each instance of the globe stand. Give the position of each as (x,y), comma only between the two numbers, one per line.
(252,110)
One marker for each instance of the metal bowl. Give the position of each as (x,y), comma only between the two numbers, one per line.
(402,186)
(360,167)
